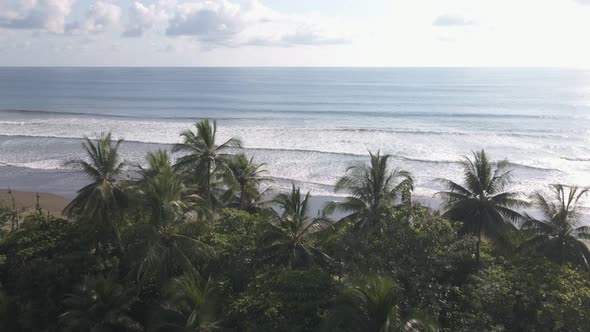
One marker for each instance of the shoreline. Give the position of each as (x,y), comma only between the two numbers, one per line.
(60,187)
(54,202)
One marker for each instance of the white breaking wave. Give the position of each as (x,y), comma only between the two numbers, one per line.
(311,155)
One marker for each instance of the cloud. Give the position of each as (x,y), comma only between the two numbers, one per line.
(99,17)
(49,15)
(583,2)
(308,36)
(144,17)
(210,21)
(451,20)
(228,24)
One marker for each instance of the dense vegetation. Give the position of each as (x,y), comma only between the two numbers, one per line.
(196,245)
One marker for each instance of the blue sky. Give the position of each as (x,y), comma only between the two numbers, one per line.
(295,33)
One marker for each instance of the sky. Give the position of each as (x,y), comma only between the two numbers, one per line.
(381,33)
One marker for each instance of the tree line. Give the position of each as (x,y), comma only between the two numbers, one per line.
(198,245)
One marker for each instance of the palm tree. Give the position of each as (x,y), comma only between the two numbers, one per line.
(157,163)
(99,305)
(482,204)
(203,156)
(246,176)
(559,236)
(293,228)
(372,306)
(101,201)
(190,305)
(373,187)
(169,205)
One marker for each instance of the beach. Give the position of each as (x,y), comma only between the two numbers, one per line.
(54,204)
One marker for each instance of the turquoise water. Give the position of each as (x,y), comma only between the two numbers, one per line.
(308,124)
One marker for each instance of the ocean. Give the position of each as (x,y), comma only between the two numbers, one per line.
(307,124)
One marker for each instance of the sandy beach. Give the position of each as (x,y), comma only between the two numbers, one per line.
(28,200)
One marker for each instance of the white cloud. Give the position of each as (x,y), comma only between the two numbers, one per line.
(223,23)
(47,15)
(310,36)
(452,20)
(99,17)
(210,21)
(143,17)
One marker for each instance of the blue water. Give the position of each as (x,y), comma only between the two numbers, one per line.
(309,124)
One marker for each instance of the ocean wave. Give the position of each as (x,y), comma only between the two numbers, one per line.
(415,132)
(398,156)
(575,159)
(446,133)
(267,110)
(359,156)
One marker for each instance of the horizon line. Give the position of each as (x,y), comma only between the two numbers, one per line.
(309,67)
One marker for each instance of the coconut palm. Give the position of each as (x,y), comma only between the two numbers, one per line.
(169,205)
(372,306)
(372,188)
(482,204)
(292,228)
(191,305)
(245,177)
(203,156)
(157,162)
(100,304)
(101,201)
(559,235)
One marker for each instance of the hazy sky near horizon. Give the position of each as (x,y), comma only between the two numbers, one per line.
(295,33)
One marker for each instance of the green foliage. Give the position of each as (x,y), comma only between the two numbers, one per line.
(99,304)
(184,263)
(169,211)
(45,258)
(191,305)
(372,188)
(8,313)
(422,252)
(482,204)
(236,238)
(292,230)
(102,201)
(560,236)
(372,305)
(524,294)
(244,177)
(283,300)
(204,158)
(567,301)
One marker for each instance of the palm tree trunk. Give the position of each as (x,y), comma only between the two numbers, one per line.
(242,198)
(209,183)
(478,242)
(118,238)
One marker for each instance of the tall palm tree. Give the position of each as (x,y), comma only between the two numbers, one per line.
(372,188)
(559,235)
(372,307)
(245,176)
(482,204)
(100,304)
(203,156)
(191,305)
(293,228)
(157,163)
(169,205)
(101,201)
